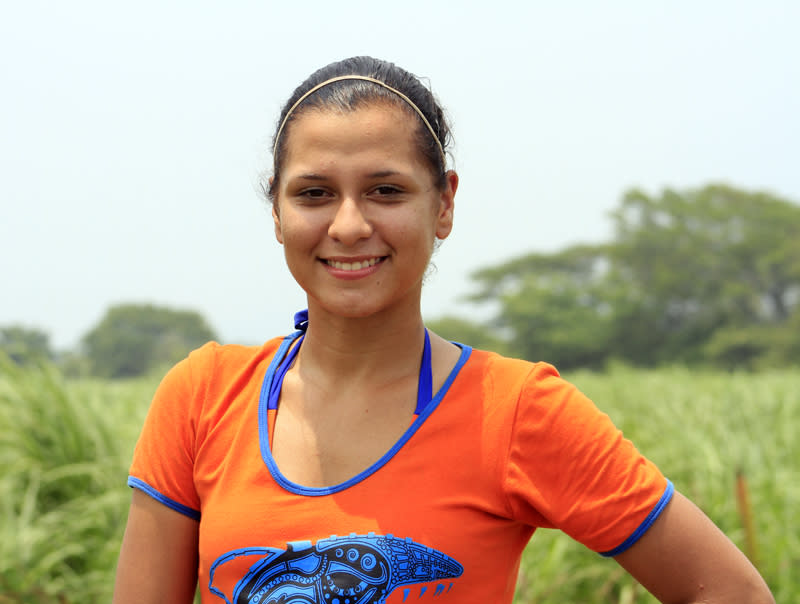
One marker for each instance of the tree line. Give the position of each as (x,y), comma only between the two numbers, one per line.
(707,276)
(130,340)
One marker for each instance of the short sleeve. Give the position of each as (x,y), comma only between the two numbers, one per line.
(163,460)
(568,463)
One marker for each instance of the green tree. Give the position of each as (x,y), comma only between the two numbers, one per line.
(555,307)
(711,274)
(133,339)
(693,264)
(25,345)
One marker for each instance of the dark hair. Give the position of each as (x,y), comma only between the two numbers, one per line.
(348,95)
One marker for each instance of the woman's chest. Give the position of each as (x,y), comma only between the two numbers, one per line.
(427,518)
(330,450)
(425,529)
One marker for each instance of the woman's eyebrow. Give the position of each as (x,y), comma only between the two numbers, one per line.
(383,173)
(317,177)
(310,176)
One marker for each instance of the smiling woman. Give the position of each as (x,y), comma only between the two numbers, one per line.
(357,211)
(438,461)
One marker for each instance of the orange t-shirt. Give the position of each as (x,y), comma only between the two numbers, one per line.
(505,447)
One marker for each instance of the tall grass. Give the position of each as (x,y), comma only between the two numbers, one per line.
(64,450)
(65,447)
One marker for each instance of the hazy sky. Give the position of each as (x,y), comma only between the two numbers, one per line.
(132,139)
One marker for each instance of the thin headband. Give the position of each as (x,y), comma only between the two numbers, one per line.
(368,79)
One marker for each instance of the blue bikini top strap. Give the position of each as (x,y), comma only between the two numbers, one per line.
(280,373)
(425,385)
(301,325)
(301,320)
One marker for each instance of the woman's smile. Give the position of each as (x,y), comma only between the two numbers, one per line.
(353,268)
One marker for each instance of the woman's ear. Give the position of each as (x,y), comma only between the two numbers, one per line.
(444,218)
(276,219)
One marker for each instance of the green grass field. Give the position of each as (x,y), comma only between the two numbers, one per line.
(65,447)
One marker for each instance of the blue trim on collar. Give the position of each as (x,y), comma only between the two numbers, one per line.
(263,427)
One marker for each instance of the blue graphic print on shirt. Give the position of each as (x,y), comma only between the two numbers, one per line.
(358,569)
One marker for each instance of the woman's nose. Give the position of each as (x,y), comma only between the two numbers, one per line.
(349,224)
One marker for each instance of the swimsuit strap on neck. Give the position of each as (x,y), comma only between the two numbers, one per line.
(301,320)
(424,387)
(280,373)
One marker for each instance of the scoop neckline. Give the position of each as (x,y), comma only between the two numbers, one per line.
(264,425)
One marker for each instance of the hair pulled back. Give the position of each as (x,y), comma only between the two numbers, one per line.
(349,95)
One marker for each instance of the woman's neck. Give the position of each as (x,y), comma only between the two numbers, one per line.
(380,347)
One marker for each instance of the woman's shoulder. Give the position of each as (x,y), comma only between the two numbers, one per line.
(237,351)
(524,388)
(214,357)
(216,372)
(504,382)
(504,368)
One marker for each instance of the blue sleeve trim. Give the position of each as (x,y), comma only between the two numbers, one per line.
(648,522)
(170,503)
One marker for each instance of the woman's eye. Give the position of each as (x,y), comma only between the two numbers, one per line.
(314,193)
(385,190)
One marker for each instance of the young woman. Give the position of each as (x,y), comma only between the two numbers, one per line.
(363,459)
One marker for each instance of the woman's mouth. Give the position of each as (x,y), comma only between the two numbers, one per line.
(356,265)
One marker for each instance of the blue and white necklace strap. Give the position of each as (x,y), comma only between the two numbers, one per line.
(366,79)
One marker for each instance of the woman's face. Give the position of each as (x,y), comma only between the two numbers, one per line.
(357,209)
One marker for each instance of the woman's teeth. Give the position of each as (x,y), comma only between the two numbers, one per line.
(352,266)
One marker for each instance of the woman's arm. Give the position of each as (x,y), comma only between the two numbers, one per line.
(685,558)
(158,559)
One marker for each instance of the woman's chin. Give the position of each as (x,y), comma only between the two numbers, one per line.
(351,307)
